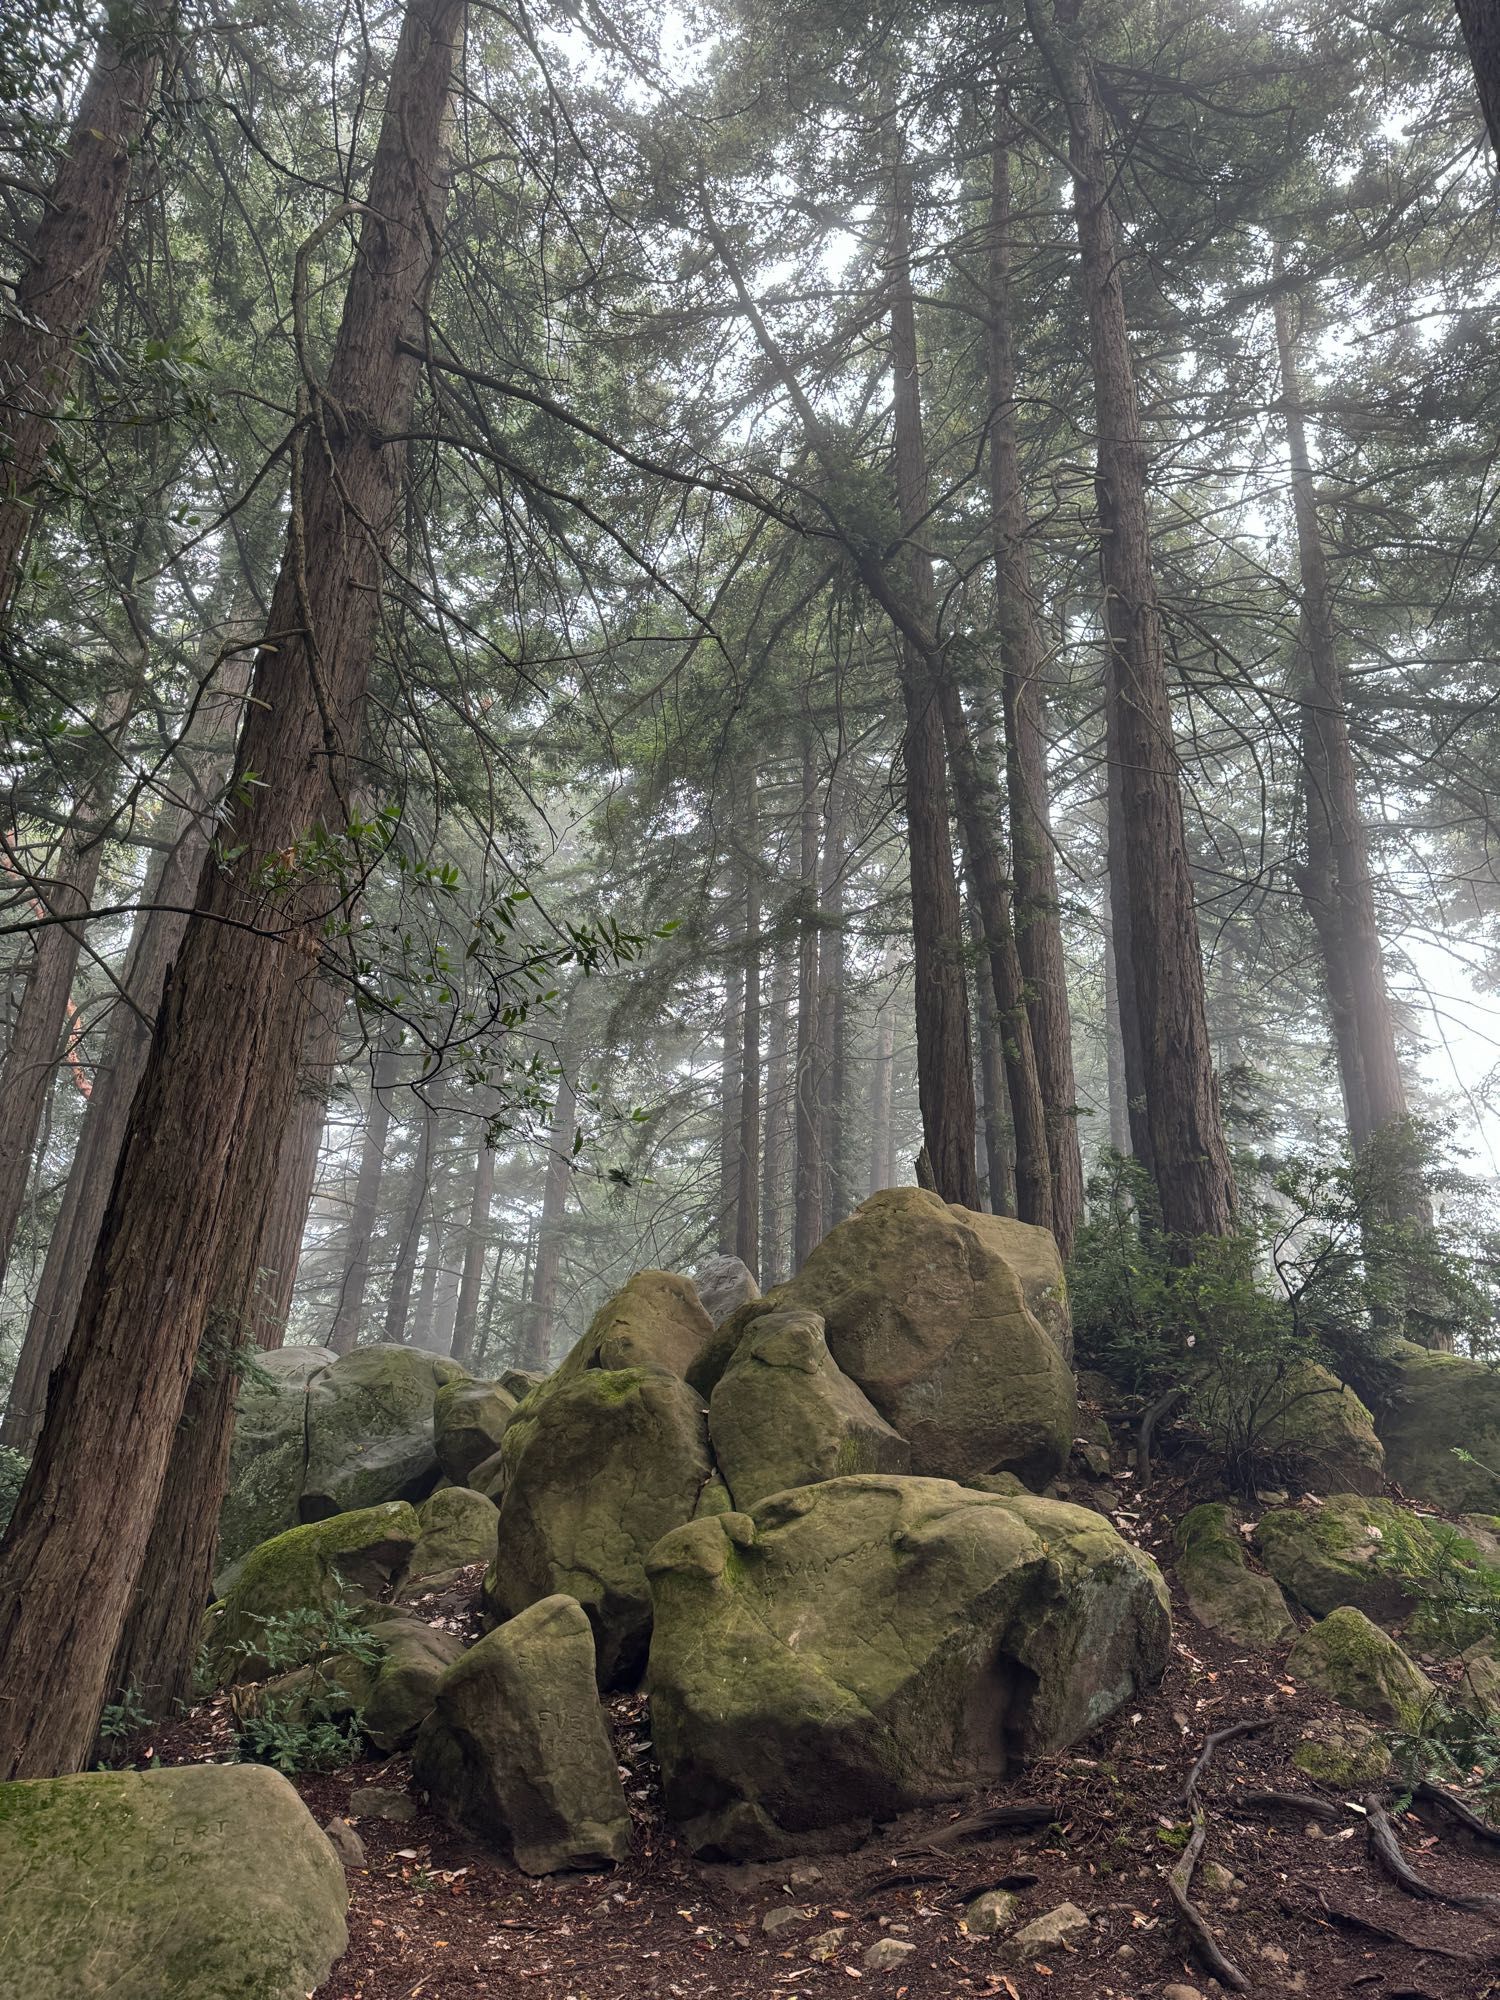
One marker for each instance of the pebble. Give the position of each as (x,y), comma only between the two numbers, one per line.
(991,1913)
(783,1918)
(887,1954)
(805,1875)
(1180,1993)
(825,1946)
(1059,1926)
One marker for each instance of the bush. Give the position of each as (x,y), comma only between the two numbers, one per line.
(315,1726)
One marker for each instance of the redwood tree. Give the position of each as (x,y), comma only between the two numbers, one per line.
(200,1155)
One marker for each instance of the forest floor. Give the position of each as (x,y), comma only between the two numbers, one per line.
(434,1916)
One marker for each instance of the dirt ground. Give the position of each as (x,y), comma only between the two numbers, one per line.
(1305,1908)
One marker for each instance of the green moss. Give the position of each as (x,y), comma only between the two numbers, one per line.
(1348,1657)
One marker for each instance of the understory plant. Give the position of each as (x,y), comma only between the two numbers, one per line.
(313,1722)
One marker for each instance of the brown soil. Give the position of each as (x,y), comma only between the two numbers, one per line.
(433,1916)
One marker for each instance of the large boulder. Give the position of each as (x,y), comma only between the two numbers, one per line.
(1222,1591)
(784,1414)
(930,1309)
(1346,1656)
(655,1320)
(596,1468)
(1385,1560)
(458,1528)
(270,1446)
(210,1882)
(723,1285)
(850,1650)
(370,1430)
(308,1569)
(468,1422)
(517,1747)
(1430,1404)
(389,1692)
(1311,1431)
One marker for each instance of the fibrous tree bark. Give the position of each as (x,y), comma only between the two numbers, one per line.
(731,1061)
(1159,962)
(1481,25)
(66,262)
(199,1159)
(41,1030)
(833,1012)
(1035,911)
(349,1316)
(409,1242)
(882,1171)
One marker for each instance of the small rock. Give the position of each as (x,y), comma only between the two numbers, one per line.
(1274,1955)
(346,1843)
(887,1954)
(805,1875)
(380,1802)
(991,1913)
(1180,1993)
(782,1919)
(1060,1926)
(825,1946)
(1216,1878)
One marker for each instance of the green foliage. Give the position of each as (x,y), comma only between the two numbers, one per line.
(290,1639)
(119,1721)
(312,1727)
(296,1733)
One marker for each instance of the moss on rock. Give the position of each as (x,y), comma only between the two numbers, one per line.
(458,1528)
(270,1445)
(211,1882)
(851,1649)
(1431,1403)
(1343,1753)
(370,1429)
(783,1414)
(468,1422)
(312,1567)
(1222,1591)
(1348,1657)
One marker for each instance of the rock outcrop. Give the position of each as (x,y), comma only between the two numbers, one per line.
(517,1748)
(597,1465)
(266,1460)
(468,1422)
(190,1884)
(849,1650)
(349,1556)
(1346,1656)
(1222,1591)
(784,1414)
(370,1429)
(458,1528)
(929,1309)
(1431,1403)
(723,1285)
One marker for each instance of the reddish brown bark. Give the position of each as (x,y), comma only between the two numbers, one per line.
(1035,908)
(409,1242)
(1159,961)
(199,1158)
(63,271)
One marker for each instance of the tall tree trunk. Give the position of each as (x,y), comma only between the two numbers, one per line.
(199,1158)
(882,1079)
(41,1028)
(1114,1046)
(776,1154)
(540,1318)
(1347,928)
(807,1221)
(64,266)
(731,1060)
(418,1204)
(1481,26)
(349,1317)
(832,1012)
(1036,916)
(203,763)
(998,1160)
(476,1243)
(1160,963)
(747,1191)
(945,1074)
(156,1650)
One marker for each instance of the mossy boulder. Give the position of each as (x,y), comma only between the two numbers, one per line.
(655,1320)
(1429,1404)
(1346,1656)
(954,1324)
(597,1467)
(1393,1565)
(1312,1432)
(849,1650)
(370,1429)
(784,1414)
(390,1696)
(458,1528)
(517,1747)
(519,1382)
(1222,1591)
(350,1556)
(468,1422)
(723,1285)
(1337,1751)
(212,1882)
(267,1455)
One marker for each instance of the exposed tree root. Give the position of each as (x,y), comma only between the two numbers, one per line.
(991,1820)
(1428,1792)
(1386,1849)
(1163,1406)
(1299,1802)
(1207,1753)
(1356,1920)
(1180,1883)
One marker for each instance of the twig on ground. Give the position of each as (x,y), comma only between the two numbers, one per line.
(1180,1883)
(1206,1754)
